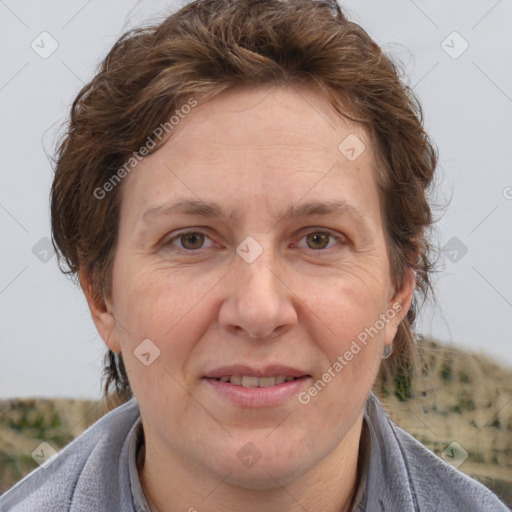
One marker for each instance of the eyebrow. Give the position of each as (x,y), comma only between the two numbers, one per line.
(297,211)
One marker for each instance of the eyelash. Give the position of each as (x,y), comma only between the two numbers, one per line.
(341,239)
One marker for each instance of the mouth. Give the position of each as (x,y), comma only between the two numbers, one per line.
(252,387)
(249,381)
(250,377)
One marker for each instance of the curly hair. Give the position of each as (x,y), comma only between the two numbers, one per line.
(205,48)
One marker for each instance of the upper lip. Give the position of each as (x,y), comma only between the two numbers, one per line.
(267,371)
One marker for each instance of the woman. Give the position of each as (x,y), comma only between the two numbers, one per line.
(242,194)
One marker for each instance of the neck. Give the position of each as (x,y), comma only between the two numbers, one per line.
(170,484)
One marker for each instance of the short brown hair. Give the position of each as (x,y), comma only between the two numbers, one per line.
(203,49)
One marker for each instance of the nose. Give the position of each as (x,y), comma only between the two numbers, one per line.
(259,303)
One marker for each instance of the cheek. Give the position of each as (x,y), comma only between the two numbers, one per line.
(156,306)
(349,303)
(351,348)
(160,304)
(346,323)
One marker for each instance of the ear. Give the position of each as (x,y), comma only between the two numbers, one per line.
(400,304)
(101,313)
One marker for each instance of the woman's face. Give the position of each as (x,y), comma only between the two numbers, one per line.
(251,245)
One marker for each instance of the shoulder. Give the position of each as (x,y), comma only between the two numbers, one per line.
(436,482)
(89,463)
(433,484)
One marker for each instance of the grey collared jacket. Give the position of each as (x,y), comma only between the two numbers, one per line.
(97,473)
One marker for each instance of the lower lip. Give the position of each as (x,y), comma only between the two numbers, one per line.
(258,397)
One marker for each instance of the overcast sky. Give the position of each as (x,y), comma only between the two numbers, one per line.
(457,56)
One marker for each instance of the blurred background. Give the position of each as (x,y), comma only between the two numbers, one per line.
(455,55)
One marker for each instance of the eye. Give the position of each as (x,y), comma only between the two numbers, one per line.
(190,240)
(196,240)
(318,240)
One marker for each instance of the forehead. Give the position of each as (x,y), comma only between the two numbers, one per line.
(282,120)
(258,145)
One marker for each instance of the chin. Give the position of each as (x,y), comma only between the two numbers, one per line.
(267,473)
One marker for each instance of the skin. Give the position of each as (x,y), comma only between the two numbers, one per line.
(256,152)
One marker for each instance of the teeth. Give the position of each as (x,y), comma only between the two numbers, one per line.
(255,382)
(236,379)
(266,382)
(250,382)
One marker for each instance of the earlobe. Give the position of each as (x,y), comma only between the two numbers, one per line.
(101,314)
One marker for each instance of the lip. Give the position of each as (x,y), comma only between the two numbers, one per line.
(271,396)
(268,371)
